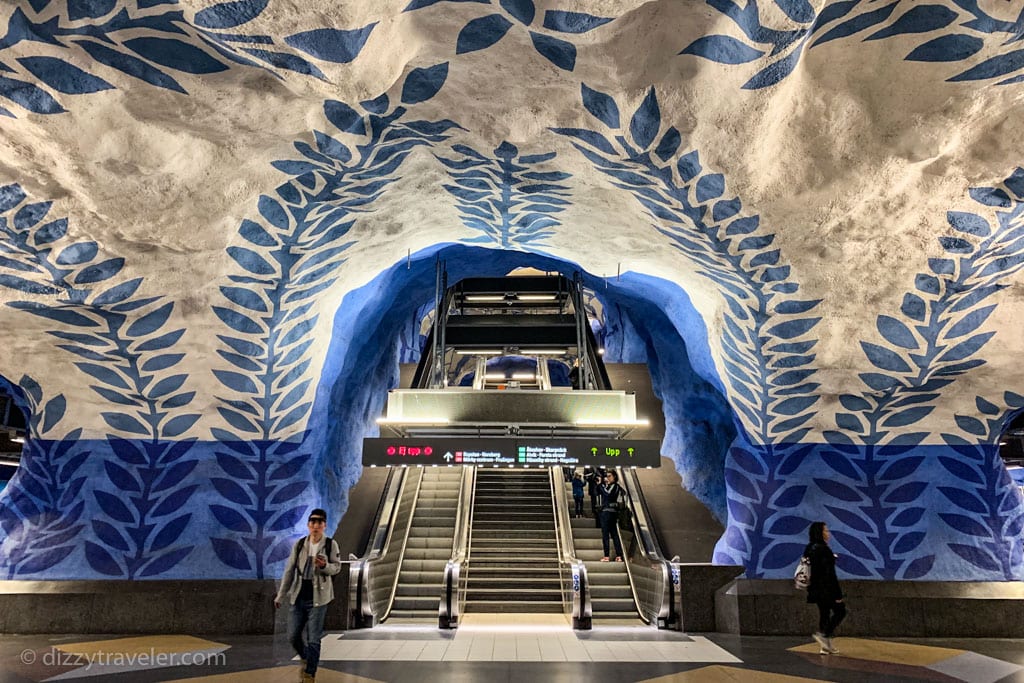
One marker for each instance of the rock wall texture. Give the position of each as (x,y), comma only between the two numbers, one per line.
(219,224)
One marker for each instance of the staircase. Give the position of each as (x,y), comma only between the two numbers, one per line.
(513,565)
(610,594)
(429,546)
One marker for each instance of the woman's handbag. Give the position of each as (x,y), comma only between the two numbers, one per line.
(802,576)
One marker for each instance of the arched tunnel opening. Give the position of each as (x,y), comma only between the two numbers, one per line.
(646,320)
(14,419)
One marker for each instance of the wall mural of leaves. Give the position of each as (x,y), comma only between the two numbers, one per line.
(42,517)
(508,198)
(948,32)
(154,43)
(766,344)
(121,341)
(286,258)
(544,28)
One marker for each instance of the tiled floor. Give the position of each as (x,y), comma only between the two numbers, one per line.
(523,648)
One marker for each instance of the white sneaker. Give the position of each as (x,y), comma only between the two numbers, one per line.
(821,640)
(832,649)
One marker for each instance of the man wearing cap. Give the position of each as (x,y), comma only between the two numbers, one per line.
(308,587)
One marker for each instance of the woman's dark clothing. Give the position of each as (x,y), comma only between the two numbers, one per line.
(824,590)
(609,496)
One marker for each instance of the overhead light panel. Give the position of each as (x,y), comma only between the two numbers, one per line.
(542,352)
(18,439)
(495,377)
(538,297)
(413,421)
(524,375)
(484,297)
(480,352)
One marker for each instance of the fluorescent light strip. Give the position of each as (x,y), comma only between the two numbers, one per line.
(542,352)
(484,297)
(537,297)
(524,375)
(480,352)
(413,421)
(613,423)
(495,378)
(18,439)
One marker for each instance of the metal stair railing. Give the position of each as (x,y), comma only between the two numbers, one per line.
(453,588)
(373,578)
(571,570)
(653,579)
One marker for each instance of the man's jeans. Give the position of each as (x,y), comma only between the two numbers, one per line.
(307,621)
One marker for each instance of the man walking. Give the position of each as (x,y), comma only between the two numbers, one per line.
(308,587)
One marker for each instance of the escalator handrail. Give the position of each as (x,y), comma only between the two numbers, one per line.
(382,525)
(579,606)
(401,549)
(649,549)
(452,596)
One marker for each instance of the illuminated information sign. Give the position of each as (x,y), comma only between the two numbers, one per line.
(513,452)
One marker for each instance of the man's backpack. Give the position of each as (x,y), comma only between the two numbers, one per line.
(802,576)
(298,546)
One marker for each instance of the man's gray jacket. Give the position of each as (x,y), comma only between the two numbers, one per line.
(323,584)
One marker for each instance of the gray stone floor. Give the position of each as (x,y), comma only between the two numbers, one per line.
(527,650)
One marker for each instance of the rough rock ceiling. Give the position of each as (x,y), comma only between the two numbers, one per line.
(823,200)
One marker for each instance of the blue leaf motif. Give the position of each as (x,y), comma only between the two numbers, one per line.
(852,519)
(918,568)
(970,322)
(793,328)
(331,44)
(979,557)
(231,553)
(30,97)
(422,84)
(101,561)
(907,417)
(601,106)
(782,555)
(901,469)
(345,119)
(646,121)
(522,10)
(120,477)
(124,423)
(559,52)
(251,261)
(965,348)
(231,520)
(151,322)
(741,484)
(747,461)
(231,490)
(913,307)
(99,272)
(722,49)
(954,47)
(858,23)
(165,562)
(907,493)
(838,490)
(64,77)
(908,542)
(711,186)
(113,507)
(88,9)
(481,33)
(175,54)
(896,332)
(908,517)
(969,223)
(129,65)
(77,254)
(572,22)
(854,545)
(284,60)
(170,532)
(110,535)
(790,497)
(230,14)
(920,19)
(841,464)
(964,499)
(965,525)
(788,526)
(883,358)
(992,68)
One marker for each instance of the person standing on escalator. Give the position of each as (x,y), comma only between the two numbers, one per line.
(611,498)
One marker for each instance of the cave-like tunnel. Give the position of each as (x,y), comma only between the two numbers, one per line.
(220,224)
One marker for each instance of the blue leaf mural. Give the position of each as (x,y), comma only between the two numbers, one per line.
(778,50)
(285,256)
(510,199)
(924,352)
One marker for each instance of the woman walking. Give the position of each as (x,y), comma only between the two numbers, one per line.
(824,590)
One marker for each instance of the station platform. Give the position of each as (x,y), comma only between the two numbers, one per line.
(512,648)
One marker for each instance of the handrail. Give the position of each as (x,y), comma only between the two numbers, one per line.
(653,579)
(453,594)
(571,569)
(377,570)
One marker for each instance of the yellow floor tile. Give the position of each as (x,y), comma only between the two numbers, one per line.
(141,645)
(728,674)
(278,674)
(886,651)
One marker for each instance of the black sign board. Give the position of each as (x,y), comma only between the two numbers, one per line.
(513,452)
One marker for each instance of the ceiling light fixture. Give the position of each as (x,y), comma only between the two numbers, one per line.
(484,297)
(537,297)
(480,352)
